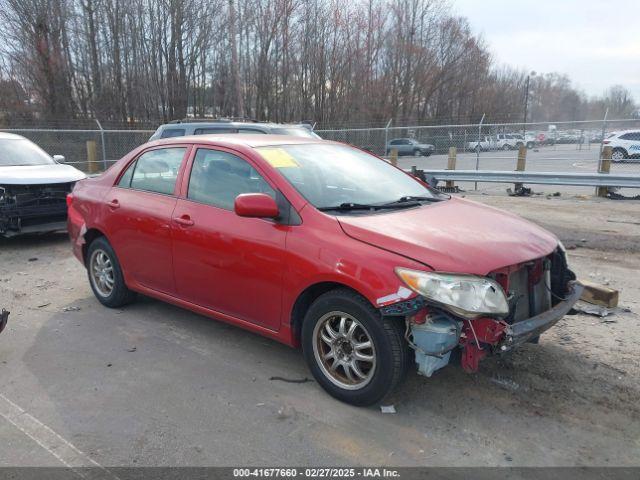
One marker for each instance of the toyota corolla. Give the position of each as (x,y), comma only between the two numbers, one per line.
(320,245)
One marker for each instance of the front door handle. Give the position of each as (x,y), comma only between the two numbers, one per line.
(184,220)
(113,204)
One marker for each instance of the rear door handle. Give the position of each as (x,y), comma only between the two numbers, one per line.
(113,204)
(184,220)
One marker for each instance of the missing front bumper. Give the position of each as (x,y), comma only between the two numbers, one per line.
(525,330)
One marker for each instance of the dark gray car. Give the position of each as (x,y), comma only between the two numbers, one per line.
(410,146)
(180,128)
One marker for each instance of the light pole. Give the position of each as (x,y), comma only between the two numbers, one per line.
(526,102)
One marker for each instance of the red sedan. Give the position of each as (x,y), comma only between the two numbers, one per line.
(320,245)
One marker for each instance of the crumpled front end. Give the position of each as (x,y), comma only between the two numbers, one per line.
(539,293)
(33,208)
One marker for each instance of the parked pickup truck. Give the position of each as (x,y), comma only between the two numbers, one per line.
(485,143)
(502,141)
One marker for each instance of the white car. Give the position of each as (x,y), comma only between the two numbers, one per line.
(33,187)
(625,144)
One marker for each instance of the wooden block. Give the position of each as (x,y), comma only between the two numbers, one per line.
(92,156)
(599,294)
(604,167)
(393,158)
(451,164)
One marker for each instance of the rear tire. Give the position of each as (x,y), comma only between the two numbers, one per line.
(342,329)
(105,275)
(506,147)
(619,155)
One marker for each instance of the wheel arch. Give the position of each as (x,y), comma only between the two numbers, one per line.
(307,297)
(89,236)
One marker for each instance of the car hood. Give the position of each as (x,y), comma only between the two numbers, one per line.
(39,174)
(454,236)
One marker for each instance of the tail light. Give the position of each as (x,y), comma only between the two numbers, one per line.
(69,199)
(606,142)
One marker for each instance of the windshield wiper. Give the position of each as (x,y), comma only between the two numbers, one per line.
(368,206)
(413,198)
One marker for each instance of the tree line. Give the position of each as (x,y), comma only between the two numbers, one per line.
(332,62)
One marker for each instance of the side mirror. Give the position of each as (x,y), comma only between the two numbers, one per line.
(59,158)
(256,205)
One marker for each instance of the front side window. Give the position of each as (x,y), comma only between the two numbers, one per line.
(328,175)
(155,171)
(217,178)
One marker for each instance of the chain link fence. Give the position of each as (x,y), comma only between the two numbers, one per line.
(86,149)
(552,146)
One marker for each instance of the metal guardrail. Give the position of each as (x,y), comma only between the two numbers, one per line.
(538,178)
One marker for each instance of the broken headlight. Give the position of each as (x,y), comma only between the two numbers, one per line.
(467,296)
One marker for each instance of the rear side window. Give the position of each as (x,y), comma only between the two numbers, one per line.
(172,132)
(211,131)
(155,171)
(634,136)
(217,178)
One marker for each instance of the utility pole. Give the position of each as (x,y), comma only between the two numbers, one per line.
(526,103)
(235,73)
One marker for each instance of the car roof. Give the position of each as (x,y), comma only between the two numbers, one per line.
(10,136)
(622,132)
(226,124)
(233,139)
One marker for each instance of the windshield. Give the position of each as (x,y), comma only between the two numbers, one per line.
(295,132)
(328,175)
(21,152)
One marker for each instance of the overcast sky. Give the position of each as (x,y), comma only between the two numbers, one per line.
(596,43)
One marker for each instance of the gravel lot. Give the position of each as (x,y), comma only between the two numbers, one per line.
(152,384)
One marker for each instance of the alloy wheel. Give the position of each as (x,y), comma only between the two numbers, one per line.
(344,351)
(101,272)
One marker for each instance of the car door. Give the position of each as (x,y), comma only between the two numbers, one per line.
(404,147)
(138,220)
(231,264)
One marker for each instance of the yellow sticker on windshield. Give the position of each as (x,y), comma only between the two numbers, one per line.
(278,158)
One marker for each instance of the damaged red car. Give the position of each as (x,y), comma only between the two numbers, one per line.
(324,246)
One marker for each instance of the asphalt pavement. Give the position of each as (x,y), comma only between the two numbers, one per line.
(558,158)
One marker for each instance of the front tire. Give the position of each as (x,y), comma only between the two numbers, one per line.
(506,147)
(105,275)
(356,355)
